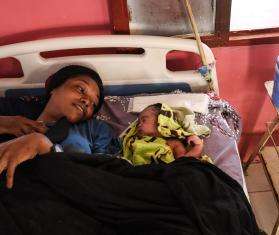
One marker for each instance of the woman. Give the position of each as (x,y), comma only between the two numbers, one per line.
(73,95)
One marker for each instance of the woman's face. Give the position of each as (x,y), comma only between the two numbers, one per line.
(76,98)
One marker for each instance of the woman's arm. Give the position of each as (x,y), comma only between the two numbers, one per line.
(21,149)
(18,126)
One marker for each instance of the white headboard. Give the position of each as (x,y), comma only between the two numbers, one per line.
(114,69)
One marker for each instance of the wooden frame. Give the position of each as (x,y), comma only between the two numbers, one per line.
(259,36)
(222,35)
(119,16)
(222,24)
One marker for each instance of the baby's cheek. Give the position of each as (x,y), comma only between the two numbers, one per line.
(154,129)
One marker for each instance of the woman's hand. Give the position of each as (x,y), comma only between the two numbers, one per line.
(21,149)
(18,126)
(197,146)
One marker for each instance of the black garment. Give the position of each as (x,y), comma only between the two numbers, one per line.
(13,106)
(70,194)
(32,108)
(28,107)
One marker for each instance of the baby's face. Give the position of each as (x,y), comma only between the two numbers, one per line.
(148,120)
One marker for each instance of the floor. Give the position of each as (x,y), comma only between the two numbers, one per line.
(260,192)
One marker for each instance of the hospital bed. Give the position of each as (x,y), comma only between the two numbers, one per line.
(126,75)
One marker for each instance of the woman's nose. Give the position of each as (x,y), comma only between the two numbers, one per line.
(85,101)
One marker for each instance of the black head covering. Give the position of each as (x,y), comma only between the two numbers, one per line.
(71,71)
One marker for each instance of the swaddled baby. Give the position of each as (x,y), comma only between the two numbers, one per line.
(163,134)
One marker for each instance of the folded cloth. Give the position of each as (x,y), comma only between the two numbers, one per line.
(177,123)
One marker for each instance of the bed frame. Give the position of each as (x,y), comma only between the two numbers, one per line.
(114,69)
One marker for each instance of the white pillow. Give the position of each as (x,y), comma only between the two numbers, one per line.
(197,102)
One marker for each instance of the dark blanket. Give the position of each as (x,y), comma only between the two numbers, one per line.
(81,194)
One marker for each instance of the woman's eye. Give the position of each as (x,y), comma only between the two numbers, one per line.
(80,89)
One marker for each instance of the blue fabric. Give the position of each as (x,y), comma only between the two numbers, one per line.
(133,89)
(91,136)
(275,92)
(119,90)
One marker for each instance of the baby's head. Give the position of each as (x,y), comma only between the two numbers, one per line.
(148,121)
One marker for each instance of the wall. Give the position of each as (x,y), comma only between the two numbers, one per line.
(242,72)
(23,20)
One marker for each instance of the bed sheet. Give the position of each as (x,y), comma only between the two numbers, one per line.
(222,119)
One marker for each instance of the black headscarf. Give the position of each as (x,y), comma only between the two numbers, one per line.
(71,71)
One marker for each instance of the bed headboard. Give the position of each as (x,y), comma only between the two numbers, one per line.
(114,69)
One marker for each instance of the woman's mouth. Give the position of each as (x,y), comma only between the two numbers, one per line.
(81,109)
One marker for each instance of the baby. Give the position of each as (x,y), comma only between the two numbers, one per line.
(147,126)
(159,135)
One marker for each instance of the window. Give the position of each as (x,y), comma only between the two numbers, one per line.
(220,22)
(169,17)
(254,14)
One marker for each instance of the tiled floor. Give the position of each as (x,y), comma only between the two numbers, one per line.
(261,196)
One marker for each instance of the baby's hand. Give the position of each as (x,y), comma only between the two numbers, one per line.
(177,148)
(197,146)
